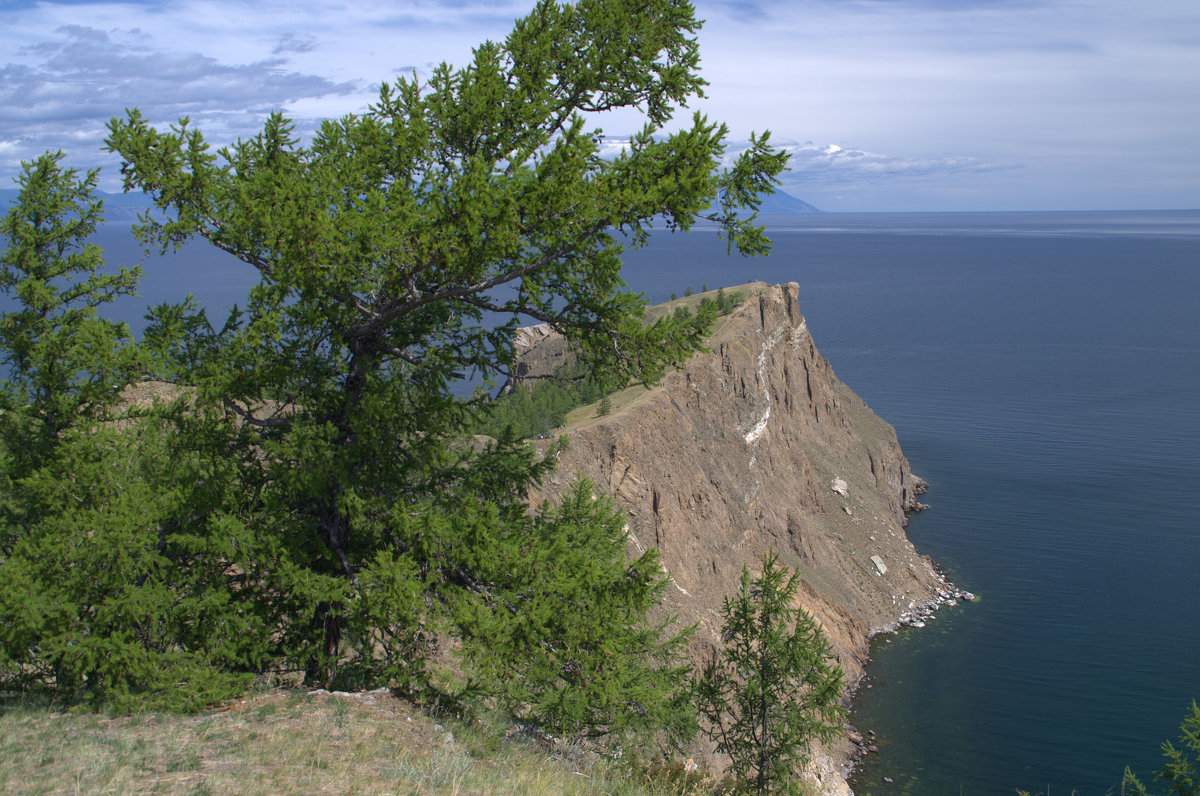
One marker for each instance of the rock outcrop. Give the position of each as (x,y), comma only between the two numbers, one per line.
(755,445)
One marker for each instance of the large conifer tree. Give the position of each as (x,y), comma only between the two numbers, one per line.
(320,465)
(391,247)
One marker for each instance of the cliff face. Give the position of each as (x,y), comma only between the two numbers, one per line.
(757,445)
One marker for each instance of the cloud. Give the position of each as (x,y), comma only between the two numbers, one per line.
(66,68)
(70,85)
(1058,92)
(88,76)
(832,163)
(291,43)
(820,166)
(1082,100)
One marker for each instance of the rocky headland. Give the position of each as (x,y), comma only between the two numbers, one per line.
(753,445)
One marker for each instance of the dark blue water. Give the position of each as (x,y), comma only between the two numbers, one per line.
(1043,373)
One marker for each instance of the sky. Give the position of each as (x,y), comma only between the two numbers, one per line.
(885,105)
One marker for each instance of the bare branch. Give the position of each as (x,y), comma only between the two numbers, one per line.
(248,417)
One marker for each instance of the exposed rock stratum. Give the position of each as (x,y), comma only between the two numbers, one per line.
(756,445)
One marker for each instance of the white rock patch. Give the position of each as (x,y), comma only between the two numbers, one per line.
(753,434)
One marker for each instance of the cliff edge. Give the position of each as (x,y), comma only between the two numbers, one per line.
(756,444)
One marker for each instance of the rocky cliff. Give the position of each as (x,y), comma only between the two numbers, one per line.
(755,445)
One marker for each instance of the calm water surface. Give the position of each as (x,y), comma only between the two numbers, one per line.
(1043,373)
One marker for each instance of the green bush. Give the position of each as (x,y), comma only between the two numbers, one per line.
(564,637)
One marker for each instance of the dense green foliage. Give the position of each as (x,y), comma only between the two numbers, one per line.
(103,592)
(775,687)
(311,500)
(106,597)
(569,591)
(1181,773)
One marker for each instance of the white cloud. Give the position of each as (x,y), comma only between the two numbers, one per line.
(835,163)
(1099,94)
(829,167)
(68,69)
(1033,83)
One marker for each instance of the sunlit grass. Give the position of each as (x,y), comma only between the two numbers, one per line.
(293,743)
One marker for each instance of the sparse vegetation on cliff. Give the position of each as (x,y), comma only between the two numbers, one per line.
(540,405)
(536,409)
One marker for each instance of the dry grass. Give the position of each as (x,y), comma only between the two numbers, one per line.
(291,743)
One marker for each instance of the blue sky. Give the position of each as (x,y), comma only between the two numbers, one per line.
(885,104)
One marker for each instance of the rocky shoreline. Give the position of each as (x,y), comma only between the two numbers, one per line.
(948,596)
(862,743)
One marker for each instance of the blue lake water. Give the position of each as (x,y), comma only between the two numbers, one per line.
(1042,371)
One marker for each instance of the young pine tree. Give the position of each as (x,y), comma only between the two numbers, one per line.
(65,363)
(111,591)
(775,687)
(61,365)
(1181,774)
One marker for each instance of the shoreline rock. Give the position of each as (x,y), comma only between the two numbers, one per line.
(916,617)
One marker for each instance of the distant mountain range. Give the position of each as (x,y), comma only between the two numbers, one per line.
(781,202)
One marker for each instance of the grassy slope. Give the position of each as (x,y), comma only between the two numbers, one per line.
(637,393)
(294,742)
